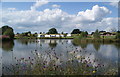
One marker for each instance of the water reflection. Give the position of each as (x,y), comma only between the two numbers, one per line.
(63,50)
(26,41)
(96,46)
(52,43)
(7,45)
(83,44)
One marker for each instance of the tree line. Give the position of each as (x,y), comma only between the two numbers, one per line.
(8,31)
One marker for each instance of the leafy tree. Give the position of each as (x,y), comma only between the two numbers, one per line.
(35,34)
(25,34)
(83,34)
(92,33)
(118,35)
(18,33)
(9,33)
(0,31)
(6,30)
(76,31)
(65,34)
(40,32)
(52,31)
(29,32)
(96,34)
(86,32)
(62,32)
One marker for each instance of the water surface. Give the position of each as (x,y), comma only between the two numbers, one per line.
(104,54)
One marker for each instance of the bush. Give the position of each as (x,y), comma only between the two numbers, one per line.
(96,34)
(8,31)
(118,35)
(83,34)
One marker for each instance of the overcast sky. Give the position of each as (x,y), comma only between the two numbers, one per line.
(64,16)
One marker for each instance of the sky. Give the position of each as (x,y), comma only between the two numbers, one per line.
(64,16)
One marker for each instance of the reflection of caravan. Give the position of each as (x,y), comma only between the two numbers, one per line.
(50,35)
(50,41)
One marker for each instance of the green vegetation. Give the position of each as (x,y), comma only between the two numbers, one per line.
(7,31)
(96,34)
(83,34)
(52,31)
(74,65)
(76,31)
(118,35)
(26,35)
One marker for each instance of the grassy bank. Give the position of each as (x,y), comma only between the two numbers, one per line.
(89,38)
(101,39)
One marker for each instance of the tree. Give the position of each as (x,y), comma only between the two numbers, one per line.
(76,31)
(40,32)
(62,32)
(29,32)
(83,34)
(96,34)
(35,34)
(118,35)
(86,32)
(0,31)
(8,31)
(52,31)
(18,33)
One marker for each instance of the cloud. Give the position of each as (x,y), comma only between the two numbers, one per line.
(39,3)
(114,4)
(41,21)
(12,9)
(96,14)
(56,6)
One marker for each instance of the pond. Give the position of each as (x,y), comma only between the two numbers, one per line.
(39,56)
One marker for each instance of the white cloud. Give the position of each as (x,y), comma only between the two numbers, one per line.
(96,14)
(12,9)
(114,4)
(56,6)
(39,3)
(41,21)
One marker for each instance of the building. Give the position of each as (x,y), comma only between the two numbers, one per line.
(107,34)
(41,35)
(68,35)
(46,35)
(50,35)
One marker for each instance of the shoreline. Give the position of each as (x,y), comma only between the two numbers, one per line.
(76,39)
(44,38)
